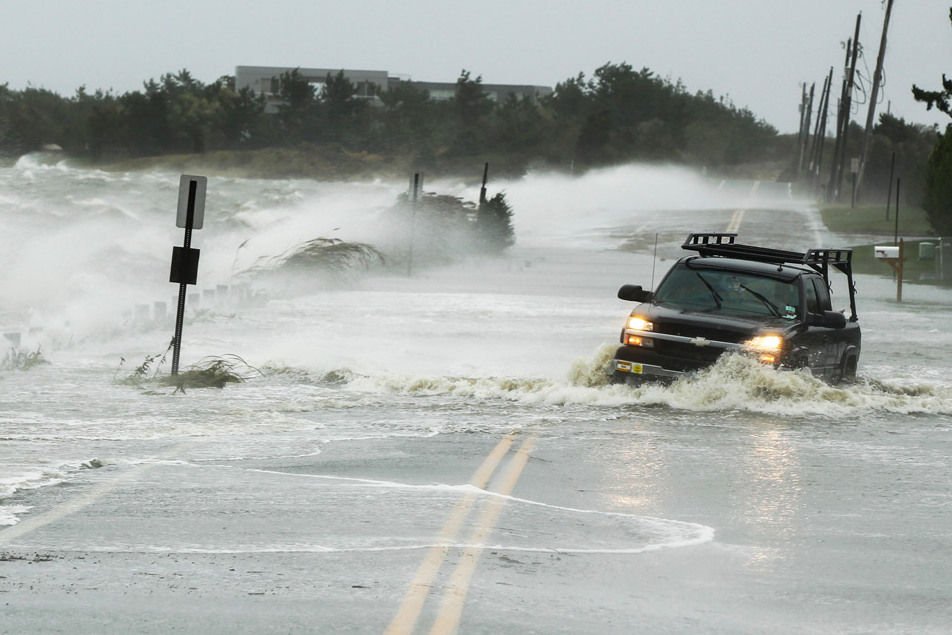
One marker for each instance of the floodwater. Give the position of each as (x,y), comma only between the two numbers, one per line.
(440,451)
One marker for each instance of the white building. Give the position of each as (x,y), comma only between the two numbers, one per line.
(264,80)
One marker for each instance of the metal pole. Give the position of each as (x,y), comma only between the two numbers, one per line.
(941,261)
(416,190)
(892,170)
(180,312)
(482,190)
(896,231)
(899,271)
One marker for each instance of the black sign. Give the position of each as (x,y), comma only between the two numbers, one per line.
(184,265)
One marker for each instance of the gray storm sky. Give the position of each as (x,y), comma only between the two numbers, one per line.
(757,52)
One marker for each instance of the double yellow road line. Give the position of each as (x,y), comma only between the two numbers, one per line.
(454,594)
(736,220)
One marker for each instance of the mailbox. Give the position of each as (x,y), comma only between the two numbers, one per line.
(886,251)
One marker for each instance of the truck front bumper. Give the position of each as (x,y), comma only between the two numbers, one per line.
(622,368)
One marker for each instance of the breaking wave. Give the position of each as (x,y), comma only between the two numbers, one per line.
(736,383)
(25,480)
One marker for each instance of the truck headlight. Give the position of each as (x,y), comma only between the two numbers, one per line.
(766,347)
(637,340)
(634,327)
(638,323)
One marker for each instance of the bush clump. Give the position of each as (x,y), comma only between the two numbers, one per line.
(22,360)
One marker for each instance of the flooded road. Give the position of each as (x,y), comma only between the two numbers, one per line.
(442,452)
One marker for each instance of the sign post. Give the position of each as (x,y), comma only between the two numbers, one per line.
(191,215)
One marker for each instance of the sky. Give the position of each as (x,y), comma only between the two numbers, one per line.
(758,53)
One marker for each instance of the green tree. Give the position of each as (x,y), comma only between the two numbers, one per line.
(938,181)
(517,126)
(343,110)
(591,147)
(190,112)
(938,185)
(298,108)
(32,118)
(471,106)
(939,99)
(240,115)
(494,224)
(911,144)
(146,120)
(104,126)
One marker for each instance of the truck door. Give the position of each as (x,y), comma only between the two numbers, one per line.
(821,341)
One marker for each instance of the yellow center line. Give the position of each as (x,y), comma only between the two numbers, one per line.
(736,220)
(451,609)
(412,605)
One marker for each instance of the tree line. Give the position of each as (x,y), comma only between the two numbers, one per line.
(937,199)
(617,114)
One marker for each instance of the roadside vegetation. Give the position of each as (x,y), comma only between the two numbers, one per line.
(872,219)
(914,227)
(937,199)
(618,114)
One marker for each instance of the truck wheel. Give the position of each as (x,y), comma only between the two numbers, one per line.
(848,369)
(798,361)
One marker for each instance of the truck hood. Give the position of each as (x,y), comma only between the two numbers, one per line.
(711,325)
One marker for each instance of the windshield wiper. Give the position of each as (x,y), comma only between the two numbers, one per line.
(767,303)
(714,293)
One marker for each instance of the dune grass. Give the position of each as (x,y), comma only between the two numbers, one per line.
(871,219)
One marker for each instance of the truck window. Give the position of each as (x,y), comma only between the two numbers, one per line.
(813,303)
(727,291)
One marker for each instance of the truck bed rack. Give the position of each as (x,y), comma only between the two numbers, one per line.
(724,245)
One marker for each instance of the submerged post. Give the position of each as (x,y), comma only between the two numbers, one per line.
(482,190)
(414,196)
(191,214)
(900,269)
(896,230)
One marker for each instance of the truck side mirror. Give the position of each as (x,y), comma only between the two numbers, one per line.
(827,319)
(634,293)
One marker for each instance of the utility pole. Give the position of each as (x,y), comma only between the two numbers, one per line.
(819,137)
(806,122)
(846,104)
(873,96)
(800,130)
(838,138)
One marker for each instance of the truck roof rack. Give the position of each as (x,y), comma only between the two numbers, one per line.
(724,245)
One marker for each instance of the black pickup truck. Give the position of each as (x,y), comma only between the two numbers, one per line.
(733,298)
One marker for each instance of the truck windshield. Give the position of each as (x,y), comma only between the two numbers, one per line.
(736,293)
